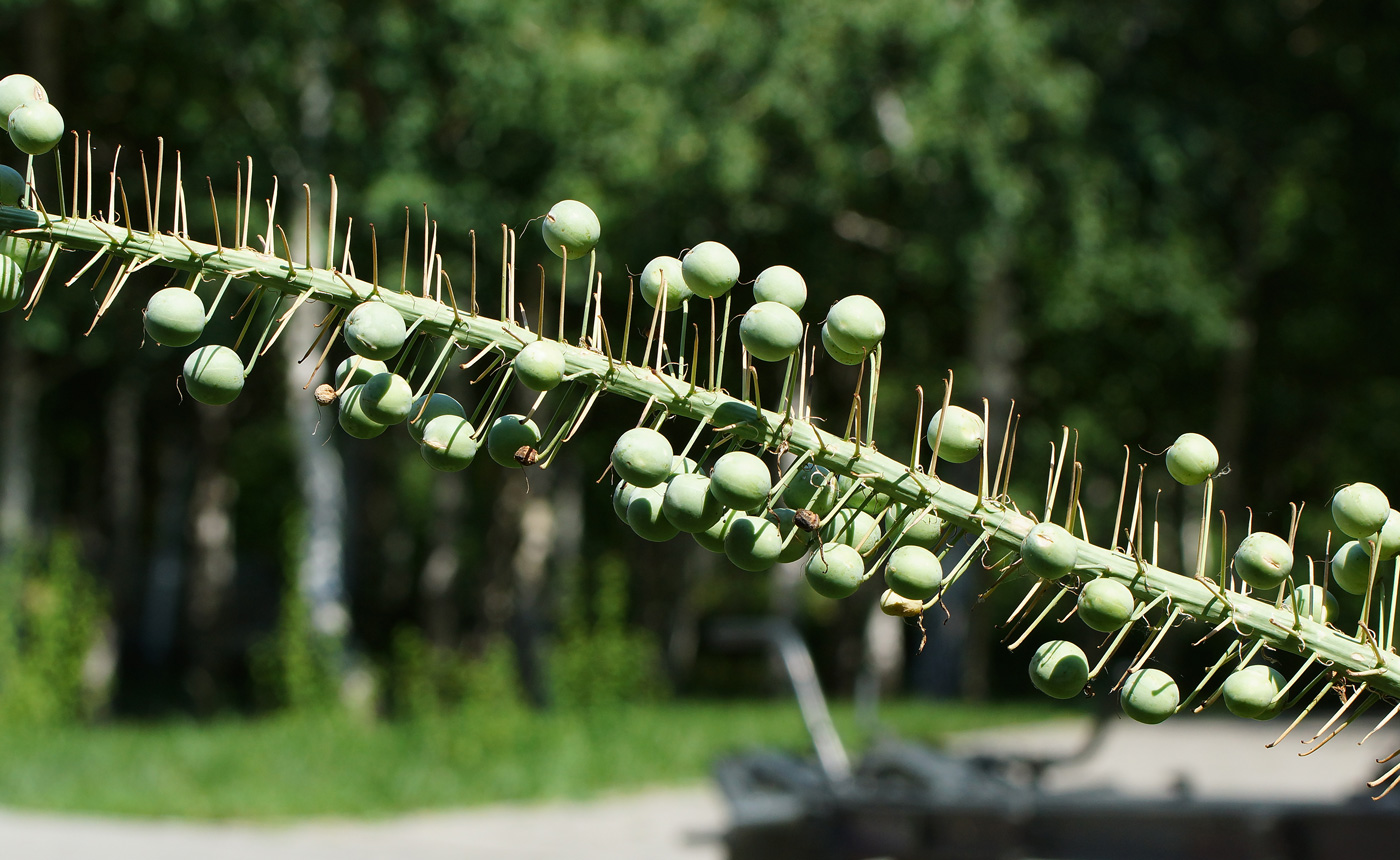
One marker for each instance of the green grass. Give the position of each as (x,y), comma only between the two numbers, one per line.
(332,765)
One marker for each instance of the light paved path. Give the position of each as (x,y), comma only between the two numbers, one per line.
(1210,757)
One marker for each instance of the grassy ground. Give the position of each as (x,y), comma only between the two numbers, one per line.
(332,765)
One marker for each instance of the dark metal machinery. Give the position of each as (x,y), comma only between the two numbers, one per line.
(908,802)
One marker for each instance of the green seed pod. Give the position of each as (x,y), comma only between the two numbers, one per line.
(213,375)
(856,324)
(540,365)
(509,434)
(712,538)
(16,90)
(1059,669)
(676,290)
(771,332)
(36,127)
(175,317)
(1250,692)
(913,572)
(752,543)
(853,528)
(1192,458)
(899,607)
(622,496)
(375,330)
(1149,696)
(926,531)
(1049,551)
(684,466)
(11,186)
(1360,510)
(781,284)
(439,405)
(689,505)
(27,252)
(812,488)
(741,481)
(796,546)
(11,284)
(864,499)
(1263,560)
(646,516)
(448,443)
(963,434)
(360,373)
(835,571)
(386,398)
(642,457)
(836,352)
(570,229)
(710,270)
(1315,602)
(1390,536)
(1351,567)
(1106,604)
(352,417)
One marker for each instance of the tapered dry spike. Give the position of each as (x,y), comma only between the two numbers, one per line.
(1342,710)
(1365,706)
(1049,607)
(942,417)
(1308,710)
(1032,594)
(1156,641)
(1052,484)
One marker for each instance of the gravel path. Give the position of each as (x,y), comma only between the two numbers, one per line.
(1206,757)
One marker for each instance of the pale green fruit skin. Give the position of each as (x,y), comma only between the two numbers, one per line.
(864,499)
(770,331)
(752,543)
(509,434)
(1059,669)
(386,398)
(925,531)
(174,317)
(963,434)
(1105,604)
(35,127)
(1192,458)
(366,370)
(1149,696)
(1351,567)
(796,544)
(27,252)
(448,444)
(643,457)
(1315,603)
(11,284)
(621,497)
(813,489)
(684,466)
(835,571)
(710,270)
(913,572)
(213,375)
(646,516)
(1049,551)
(741,481)
(539,365)
(571,226)
(11,186)
(1390,536)
(676,290)
(853,528)
(439,404)
(689,505)
(842,356)
(781,284)
(352,417)
(856,323)
(1263,560)
(375,330)
(16,90)
(712,538)
(1360,510)
(1248,692)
